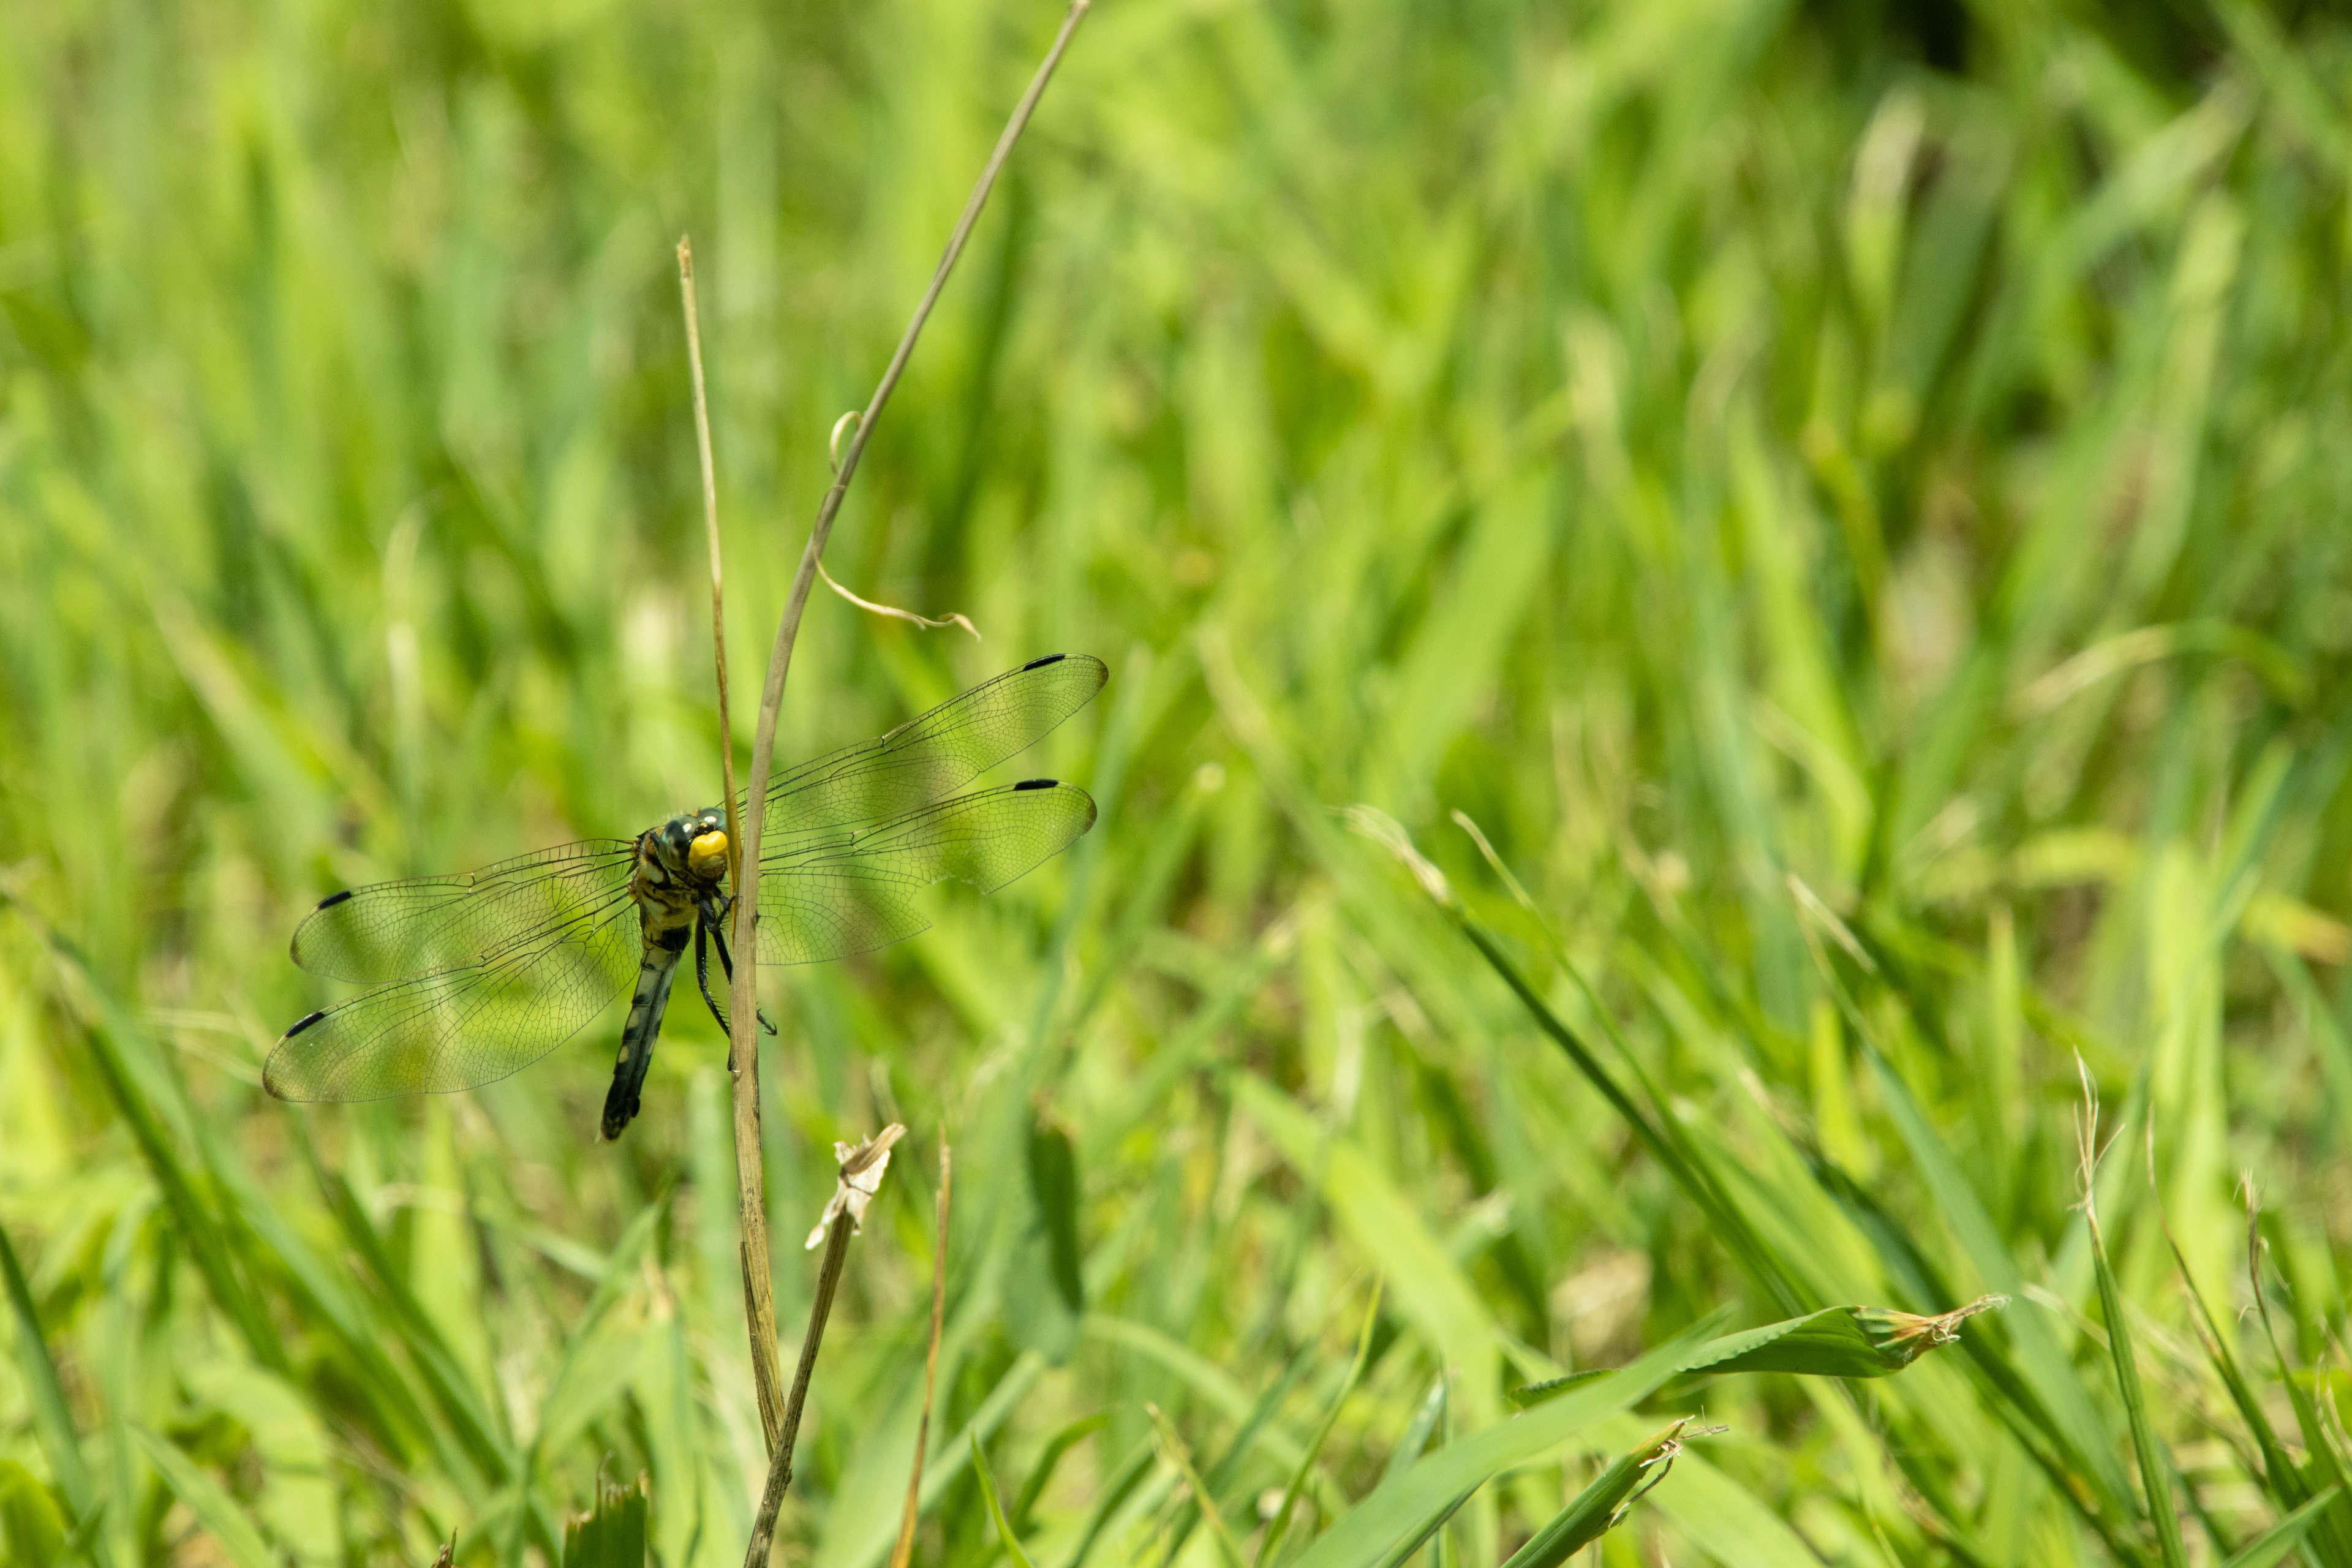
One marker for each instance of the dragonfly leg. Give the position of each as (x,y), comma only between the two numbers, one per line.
(702,934)
(711,923)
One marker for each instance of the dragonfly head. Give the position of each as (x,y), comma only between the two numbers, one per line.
(695,844)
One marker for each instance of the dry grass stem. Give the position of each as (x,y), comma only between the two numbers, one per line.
(743,995)
(743,1048)
(862,1168)
(904,1551)
(743,1003)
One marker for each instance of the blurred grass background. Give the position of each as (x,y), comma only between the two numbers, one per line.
(1756,459)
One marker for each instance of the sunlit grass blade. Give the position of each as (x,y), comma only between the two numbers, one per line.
(1596,1510)
(2273,1544)
(1839,1342)
(1255,1426)
(2036,1374)
(2155,1466)
(53,1425)
(445,1379)
(216,1511)
(2320,1471)
(1178,1454)
(1041,1475)
(1406,1509)
(1270,1543)
(996,1509)
(2278,1475)
(114,1038)
(612,1533)
(1651,1126)
(619,1270)
(31,1528)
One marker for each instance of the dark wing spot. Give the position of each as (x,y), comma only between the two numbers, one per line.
(1038,784)
(304,1022)
(1041,663)
(331,900)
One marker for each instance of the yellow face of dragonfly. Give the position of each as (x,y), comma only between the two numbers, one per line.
(696,844)
(706,856)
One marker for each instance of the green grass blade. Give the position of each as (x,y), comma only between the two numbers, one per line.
(1178,1455)
(444,1376)
(1429,1289)
(2320,1471)
(1041,1474)
(996,1509)
(52,1421)
(612,1534)
(1278,1526)
(115,1039)
(1717,1515)
(1839,1342)
(2155,1464)
(2278,1475)
(31,1528)
(2057,1393)
(2273,1544)
(1596,1510)
(217,1512)
(1408,1507)
(1237,1450)
(1730,1226)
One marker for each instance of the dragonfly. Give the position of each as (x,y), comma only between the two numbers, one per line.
(473,977)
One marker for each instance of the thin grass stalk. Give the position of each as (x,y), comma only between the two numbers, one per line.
(1179,1454)
(742,1002)
(903,1551)
(1276,1528)
(743,1045)
(862,1167)
(988,1493)
(2155,1466)
(52,1421)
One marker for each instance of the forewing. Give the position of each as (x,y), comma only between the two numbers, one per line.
(392,930)
(856,889)
(930,754)
(467,1024)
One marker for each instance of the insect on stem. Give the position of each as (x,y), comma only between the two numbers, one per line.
(743,998)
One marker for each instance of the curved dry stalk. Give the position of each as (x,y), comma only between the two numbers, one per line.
(771,695)
(744,996)
(743,1047)
(931,623)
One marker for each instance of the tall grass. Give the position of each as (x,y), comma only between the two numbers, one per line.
(1849,500)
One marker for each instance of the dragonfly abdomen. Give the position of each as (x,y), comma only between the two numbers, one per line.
(654,976)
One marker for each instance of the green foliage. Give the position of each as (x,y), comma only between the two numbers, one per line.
(612,1534)
(31,1528)
(1846,500)
(996,1509)
(1836,1342)
(1600,1506)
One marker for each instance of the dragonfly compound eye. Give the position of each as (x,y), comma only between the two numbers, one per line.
(706,856)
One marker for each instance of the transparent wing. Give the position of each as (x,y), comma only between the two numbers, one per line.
(392,930)
(855,889)
(930,754)
(469,1023)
